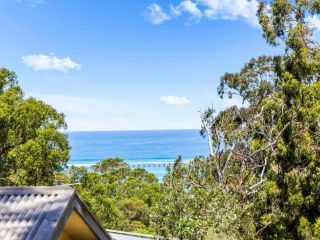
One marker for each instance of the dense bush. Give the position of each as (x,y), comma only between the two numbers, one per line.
(120,197)
(32,149)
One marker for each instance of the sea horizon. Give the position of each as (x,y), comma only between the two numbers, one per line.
(134,130)
(136,147)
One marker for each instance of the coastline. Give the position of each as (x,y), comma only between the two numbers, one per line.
(152,150)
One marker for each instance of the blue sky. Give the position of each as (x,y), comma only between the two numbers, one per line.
(128,65)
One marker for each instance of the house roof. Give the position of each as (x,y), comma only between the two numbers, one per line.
(41,212)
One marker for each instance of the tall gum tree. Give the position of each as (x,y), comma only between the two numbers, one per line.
(32,149)
(262,177)
(268,150)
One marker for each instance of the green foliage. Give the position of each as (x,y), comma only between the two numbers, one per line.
(135,209)
(273,140)
(264,156)
(120,197)
(32,150)
(193,207)
(261,179)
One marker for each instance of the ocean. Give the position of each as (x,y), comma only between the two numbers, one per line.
(146,149)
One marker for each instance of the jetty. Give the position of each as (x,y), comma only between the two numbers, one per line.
(134,164)
(153,164)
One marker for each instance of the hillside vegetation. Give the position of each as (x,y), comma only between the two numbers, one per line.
(261,179)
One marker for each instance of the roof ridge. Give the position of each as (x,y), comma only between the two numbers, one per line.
(36,190)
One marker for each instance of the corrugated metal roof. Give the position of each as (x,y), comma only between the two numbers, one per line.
(24,210)
(40,212)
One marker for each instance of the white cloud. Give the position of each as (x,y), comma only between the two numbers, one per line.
(33,3)
(314,22)
(41,62)
(244,10)
(94,114)
(231,10)
(85,113)
(174,11)
(188,7)
(155,15)
(174,100)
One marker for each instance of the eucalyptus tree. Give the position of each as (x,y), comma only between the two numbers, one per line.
(193,206)
(268,149)
(32,149)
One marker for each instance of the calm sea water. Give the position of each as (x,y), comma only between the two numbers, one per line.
(136,147)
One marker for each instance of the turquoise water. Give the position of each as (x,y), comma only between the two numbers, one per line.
(137,147)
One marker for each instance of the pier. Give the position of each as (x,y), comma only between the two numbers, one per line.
(153,164)
(134,164)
